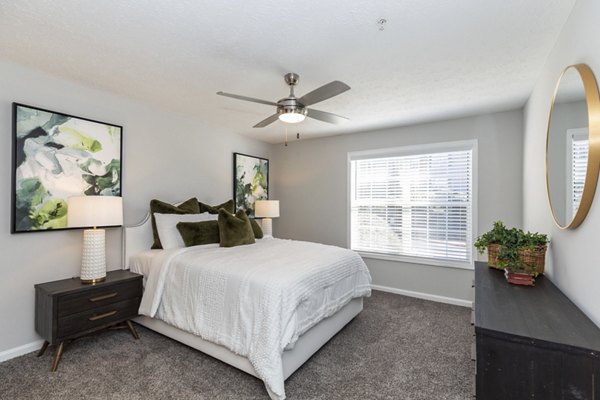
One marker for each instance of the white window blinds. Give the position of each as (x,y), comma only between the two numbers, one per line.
(417,205)
(579,157)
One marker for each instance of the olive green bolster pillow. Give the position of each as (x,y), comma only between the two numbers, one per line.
(197,233)
(234,230)
(258,233)
(228,205)
(190,206)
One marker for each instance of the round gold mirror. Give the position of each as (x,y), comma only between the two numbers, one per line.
(573,146)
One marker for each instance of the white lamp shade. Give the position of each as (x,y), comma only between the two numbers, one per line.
(266,208)
(87,211)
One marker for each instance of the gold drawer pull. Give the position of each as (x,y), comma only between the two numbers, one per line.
(104,297)
(97,317)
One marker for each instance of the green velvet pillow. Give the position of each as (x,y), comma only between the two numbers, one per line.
(228,206)
(258,233)
(156,206)
(196,233)
(234,230)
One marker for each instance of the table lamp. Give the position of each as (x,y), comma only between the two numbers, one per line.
(93,211)
(266,209)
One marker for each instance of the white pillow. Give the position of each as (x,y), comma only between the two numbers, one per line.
(166,226)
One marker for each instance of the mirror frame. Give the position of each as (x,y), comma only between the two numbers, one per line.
(593,165)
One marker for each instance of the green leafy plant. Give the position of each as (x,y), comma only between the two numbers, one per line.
(511,241)
(533,240)
(509,252)
(496,236)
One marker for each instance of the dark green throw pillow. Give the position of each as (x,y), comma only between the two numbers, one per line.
(258,233)
(228,205)
(234,230)
(156,206)
(196,233)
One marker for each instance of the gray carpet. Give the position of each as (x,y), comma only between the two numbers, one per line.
(397,348)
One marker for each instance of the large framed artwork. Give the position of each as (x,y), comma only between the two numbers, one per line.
(250,181)
(56,156)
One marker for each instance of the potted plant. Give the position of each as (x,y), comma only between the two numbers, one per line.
(532,252)
(492,242)
(513,248)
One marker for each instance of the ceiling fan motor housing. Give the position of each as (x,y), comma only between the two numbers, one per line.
(290,105)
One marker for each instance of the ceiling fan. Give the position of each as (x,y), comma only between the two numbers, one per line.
(292,109)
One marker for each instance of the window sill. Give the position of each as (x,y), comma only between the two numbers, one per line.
(417,260)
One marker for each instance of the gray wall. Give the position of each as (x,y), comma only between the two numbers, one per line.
(573,259)
(165,156)
(310,180)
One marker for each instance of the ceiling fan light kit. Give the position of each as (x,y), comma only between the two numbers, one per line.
(292,110)
(292,117)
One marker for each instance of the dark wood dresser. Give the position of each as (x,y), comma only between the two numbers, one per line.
(532,342)
(67,309)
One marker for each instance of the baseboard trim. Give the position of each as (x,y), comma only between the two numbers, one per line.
(424,296)
(20,350)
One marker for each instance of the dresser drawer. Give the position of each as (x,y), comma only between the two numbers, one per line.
(97,297)
(97,317)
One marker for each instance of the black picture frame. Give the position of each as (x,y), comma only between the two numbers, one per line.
(64,146)
(244,195)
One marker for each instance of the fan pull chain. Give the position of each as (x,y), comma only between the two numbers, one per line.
(286,136)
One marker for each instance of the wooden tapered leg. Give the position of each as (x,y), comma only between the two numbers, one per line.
(132,329)
(43,349)
(57,355)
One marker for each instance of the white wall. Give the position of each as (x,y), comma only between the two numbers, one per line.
(165,156)
(310,180)
(573,261)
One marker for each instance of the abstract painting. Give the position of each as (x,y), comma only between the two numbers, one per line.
(250,181)
(56,156)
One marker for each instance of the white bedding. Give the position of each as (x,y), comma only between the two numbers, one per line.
(256,300)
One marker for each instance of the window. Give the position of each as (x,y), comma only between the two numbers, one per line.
(414,203)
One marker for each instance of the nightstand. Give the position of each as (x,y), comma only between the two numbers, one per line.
(68,309)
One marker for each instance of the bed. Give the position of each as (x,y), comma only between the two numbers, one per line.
(263,308)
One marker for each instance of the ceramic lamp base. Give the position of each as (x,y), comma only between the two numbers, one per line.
(93,261)
(267,226)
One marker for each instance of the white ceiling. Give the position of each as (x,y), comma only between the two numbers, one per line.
(435,59)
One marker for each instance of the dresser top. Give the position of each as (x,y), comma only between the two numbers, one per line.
(541,312)
(72,285)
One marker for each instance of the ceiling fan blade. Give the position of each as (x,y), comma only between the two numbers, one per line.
(245,98)
(324,92)
(267,121)
(326,117)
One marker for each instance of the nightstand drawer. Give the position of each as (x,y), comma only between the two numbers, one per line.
(97,317)
(67,309)
(97,297)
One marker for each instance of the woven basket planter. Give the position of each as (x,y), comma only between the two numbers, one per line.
(533,260)
(493,250)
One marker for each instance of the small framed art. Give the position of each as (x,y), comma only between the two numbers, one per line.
(250,181)
(56,156)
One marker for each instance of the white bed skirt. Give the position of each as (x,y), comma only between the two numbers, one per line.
(307,344)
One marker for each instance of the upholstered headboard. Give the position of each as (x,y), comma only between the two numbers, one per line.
(138,238)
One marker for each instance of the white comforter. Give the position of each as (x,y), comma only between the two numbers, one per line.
(246,298)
